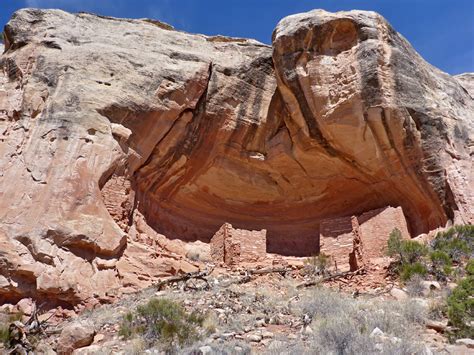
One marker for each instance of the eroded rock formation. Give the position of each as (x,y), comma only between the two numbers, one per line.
(116,132)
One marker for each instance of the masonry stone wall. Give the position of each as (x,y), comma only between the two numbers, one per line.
(349,243)
(336,241)
(234,246)
(375,228)
(217,244)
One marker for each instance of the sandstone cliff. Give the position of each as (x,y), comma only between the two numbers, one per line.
(117,131)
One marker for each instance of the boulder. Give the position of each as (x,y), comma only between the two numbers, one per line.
(74,336)
(439,326)
(430,286)
(255,338)
(466,342)
(398,294)
(25,306)
(89,350)
(458,349)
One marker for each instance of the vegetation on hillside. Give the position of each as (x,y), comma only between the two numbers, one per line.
(5,321)
(165,322)
(448,258)
(461,305)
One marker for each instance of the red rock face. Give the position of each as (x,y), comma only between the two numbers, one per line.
(114,133)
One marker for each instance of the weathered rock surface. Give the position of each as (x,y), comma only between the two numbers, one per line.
(75,336)
(467,81)
(116,132)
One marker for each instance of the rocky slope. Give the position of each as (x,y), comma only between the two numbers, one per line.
(116,132)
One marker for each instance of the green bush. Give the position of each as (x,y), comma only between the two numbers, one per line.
(394,244)
(407,251)
(415,285)
(461,308)
(5,320)
(407,271)
(408,254)
(470,267)
(162,321)
(4,334)
(412,251)
(457,242)
(441,264)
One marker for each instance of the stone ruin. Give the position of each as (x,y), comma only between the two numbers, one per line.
(351,241)
(235,246)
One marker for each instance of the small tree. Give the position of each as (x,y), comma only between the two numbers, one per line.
(407,251)
(394,244)
(457,242)
(412,251)
(409,270)
(440,264)
(470,267)
(461,308)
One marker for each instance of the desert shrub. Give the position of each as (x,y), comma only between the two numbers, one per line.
(342,324)
(348,334)
(412,312)
(284,346)
(415,286)
(408,255)
(4,333)
(457,242)
(163,321)
(325,303)
(470,267)
(394,243)
(412,251)
(441,264)
(407,251)
(407,271)
(5,321)
(392,317)
(317,264)
(342,335)
(461,308)
(228,348)
(438,309)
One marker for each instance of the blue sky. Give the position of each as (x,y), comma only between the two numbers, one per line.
(442,31)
